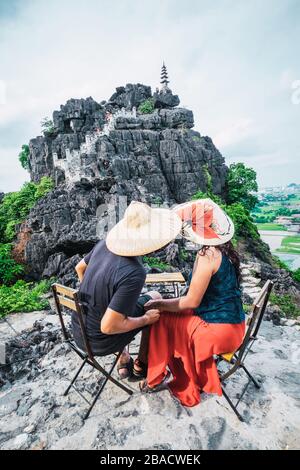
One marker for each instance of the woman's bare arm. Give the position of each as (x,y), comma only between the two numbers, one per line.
(200,280)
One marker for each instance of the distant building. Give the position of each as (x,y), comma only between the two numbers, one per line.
(294,228)
(284,220)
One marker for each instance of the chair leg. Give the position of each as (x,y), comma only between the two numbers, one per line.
(112,379)
(232,405)
(76,375)
(257,385)
(107,378)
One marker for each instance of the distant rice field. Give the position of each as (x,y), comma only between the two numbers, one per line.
(290,244)
(270,226)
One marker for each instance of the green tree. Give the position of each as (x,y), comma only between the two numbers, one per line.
(24,156)
(283,211)
(243,222)
(240,185)
(47,126)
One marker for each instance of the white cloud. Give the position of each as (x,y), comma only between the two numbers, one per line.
(235,133)
(12,176)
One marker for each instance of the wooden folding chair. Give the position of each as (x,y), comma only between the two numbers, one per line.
(237,358)
(67,297)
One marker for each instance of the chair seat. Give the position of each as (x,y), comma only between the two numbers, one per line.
(228,356)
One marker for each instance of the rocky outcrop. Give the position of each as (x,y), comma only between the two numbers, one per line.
(98,152)
(63,227)
(255,273)
(164,98)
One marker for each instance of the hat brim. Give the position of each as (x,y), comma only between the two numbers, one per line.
(163,227)
(223,220)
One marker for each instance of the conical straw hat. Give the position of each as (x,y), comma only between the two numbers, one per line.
(204,222)
(143,230)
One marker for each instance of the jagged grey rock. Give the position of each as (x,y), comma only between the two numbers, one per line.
(97,152)
(165,98)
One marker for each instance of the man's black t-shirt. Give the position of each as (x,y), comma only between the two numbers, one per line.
(109,281)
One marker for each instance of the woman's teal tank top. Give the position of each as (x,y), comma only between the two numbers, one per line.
(222,302)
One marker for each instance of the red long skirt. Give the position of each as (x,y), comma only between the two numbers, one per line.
(186,344)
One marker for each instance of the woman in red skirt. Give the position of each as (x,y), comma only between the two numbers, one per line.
(208,320)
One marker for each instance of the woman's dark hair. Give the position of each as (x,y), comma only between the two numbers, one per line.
(228,250)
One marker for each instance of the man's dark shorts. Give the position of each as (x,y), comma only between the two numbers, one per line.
(115,343)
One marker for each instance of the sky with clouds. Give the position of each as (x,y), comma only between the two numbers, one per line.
(235,63)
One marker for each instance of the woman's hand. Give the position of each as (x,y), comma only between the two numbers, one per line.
(155,303)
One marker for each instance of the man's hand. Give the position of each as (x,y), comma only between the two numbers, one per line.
(151,316)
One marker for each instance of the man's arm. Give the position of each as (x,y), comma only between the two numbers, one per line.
(114,322)
(80,269)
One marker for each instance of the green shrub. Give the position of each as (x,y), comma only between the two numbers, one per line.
(147,106)
(24,157)
(286,304)
(183,254)
(47,126)
(202,195)
(209,187)
(281,264)
(243,222)
(155,263)
(296,275)
(247,308)
(15,206)
(157,201)
(9,269)
(43,187)
(23,297)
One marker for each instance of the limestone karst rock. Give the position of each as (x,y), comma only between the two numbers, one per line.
(98,151)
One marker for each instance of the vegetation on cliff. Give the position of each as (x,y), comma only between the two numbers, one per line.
(147,106)
(24,157)
(14,208)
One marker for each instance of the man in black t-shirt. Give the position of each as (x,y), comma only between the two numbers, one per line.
(112,277)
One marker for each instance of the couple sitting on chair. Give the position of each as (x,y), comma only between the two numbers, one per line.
(181,335)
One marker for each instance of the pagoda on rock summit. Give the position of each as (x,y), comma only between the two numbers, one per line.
(164,79)
(163,97)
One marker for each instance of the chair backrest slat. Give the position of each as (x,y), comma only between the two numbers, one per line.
(261,294)
(255,319)
(67,297)
(67,302)
(67,291)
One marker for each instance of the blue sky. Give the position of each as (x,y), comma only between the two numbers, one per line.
(235,63)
